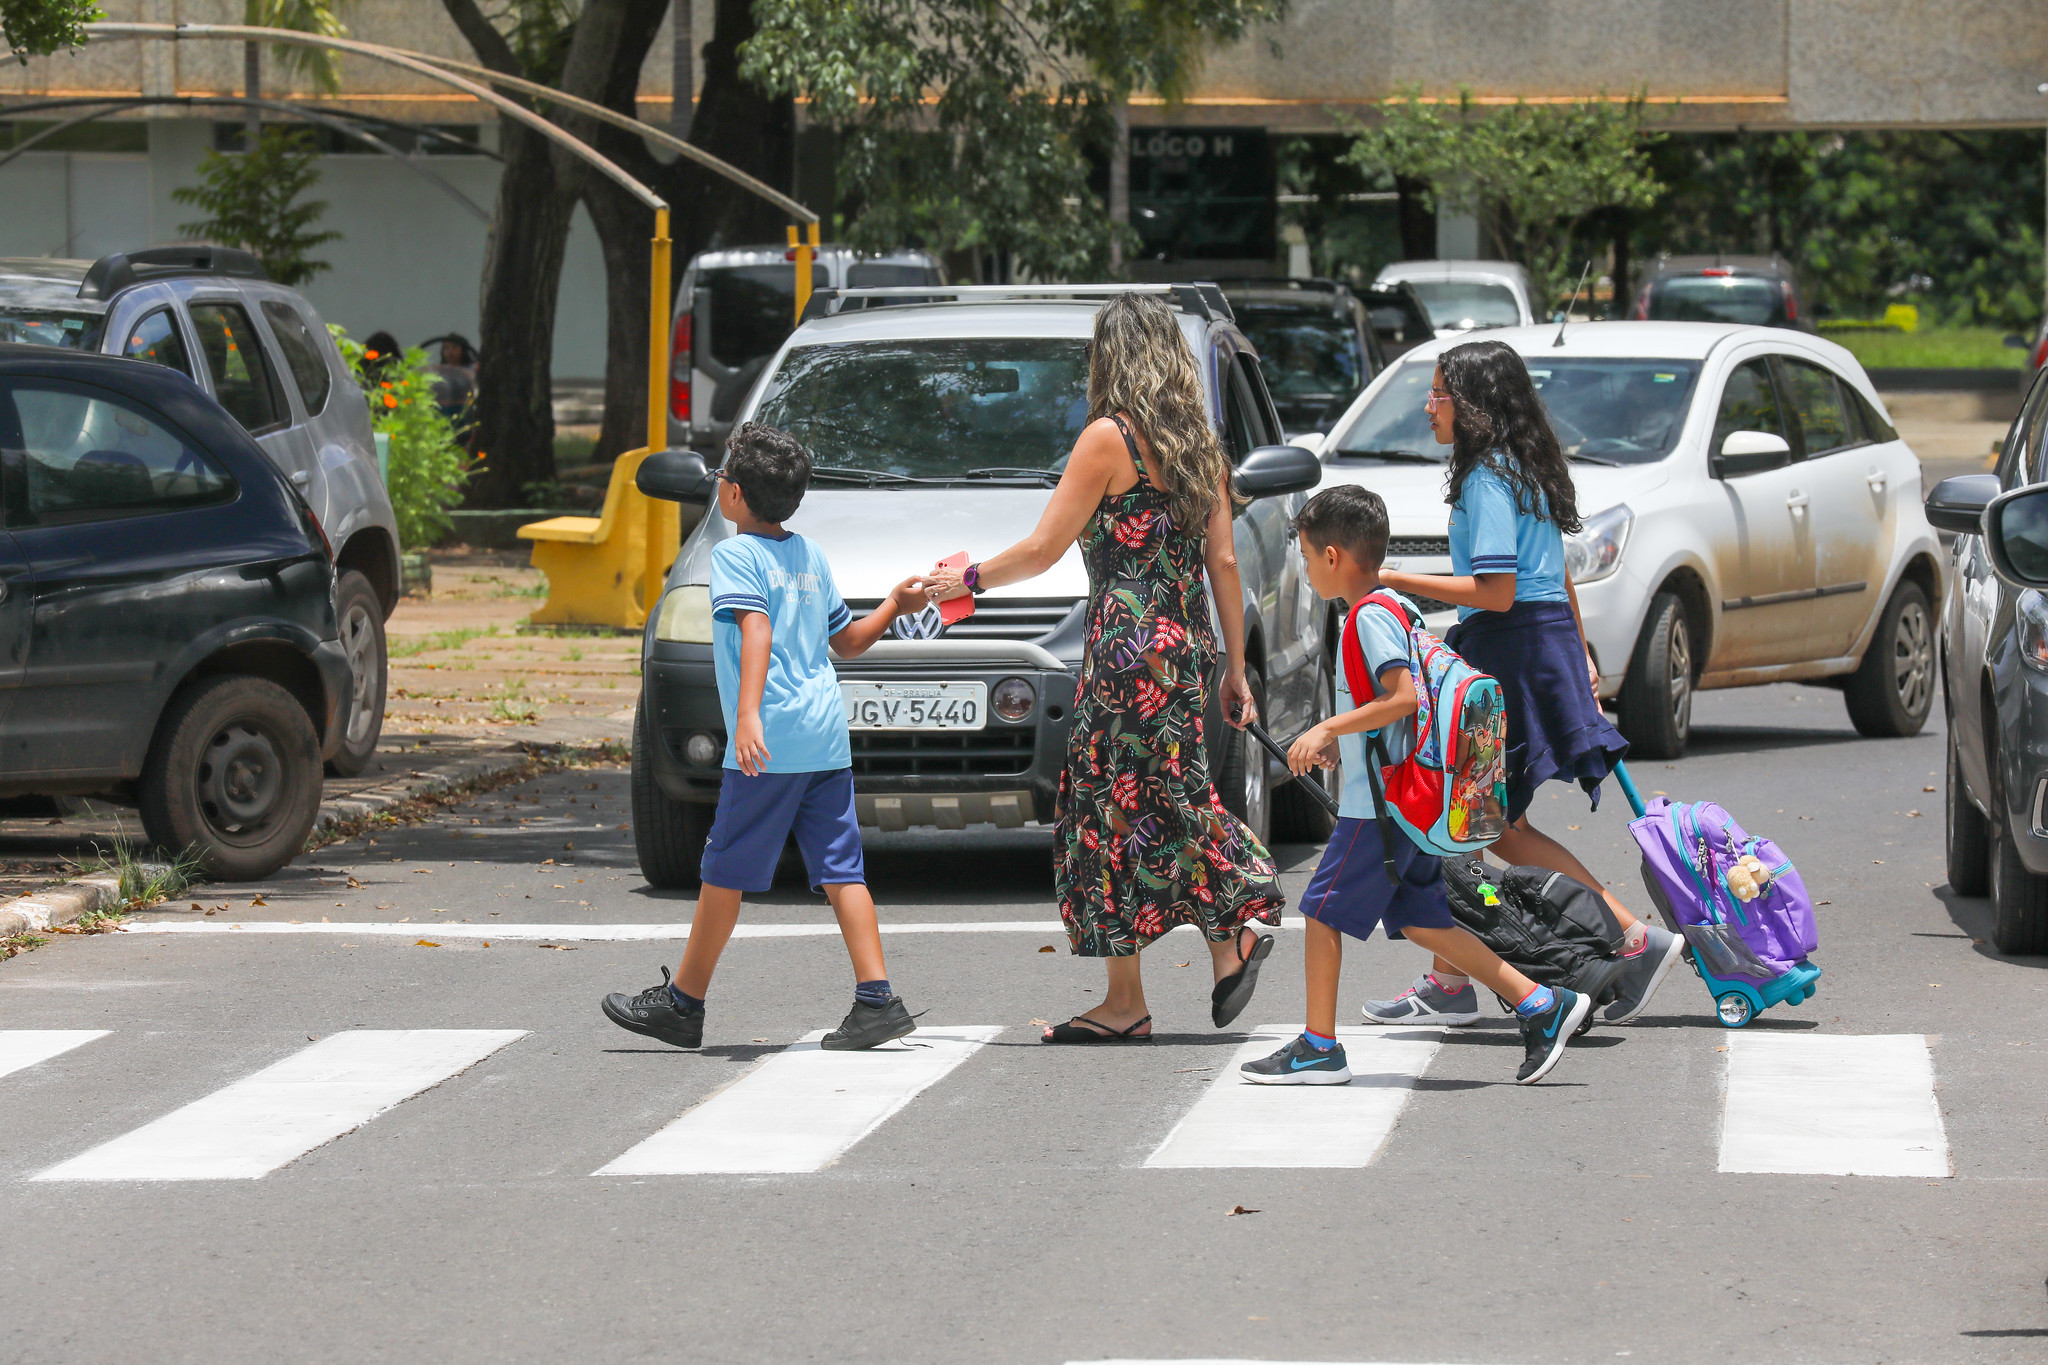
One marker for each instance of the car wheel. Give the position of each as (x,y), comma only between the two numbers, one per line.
(1892,690)
(2019,898)
(668,834)
(1241,777)
(359,616)
(1297,816)
(233,775)
(1968,840)
(1655,714)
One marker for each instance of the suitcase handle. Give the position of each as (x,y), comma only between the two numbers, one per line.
(1628,788)
(1315,789)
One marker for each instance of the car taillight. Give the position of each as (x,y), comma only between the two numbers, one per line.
(679,370)
(1717,271)
(2041,352)
(319,531)
(1642,313)
(1791,304)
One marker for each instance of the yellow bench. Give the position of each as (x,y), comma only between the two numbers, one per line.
(607,570)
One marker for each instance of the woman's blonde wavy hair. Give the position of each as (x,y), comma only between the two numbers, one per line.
(1139,364)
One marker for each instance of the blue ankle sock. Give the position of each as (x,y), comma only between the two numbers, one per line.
(1536,1002)
(688,1004)
(875,993)
(1317,1041)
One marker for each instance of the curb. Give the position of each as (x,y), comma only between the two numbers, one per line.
(65,903)
(345,812)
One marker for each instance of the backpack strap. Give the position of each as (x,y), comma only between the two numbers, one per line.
(1358,680)
(1376,763)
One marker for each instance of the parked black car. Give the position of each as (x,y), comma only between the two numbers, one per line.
(1314,342)
(1400,322)
(167,622)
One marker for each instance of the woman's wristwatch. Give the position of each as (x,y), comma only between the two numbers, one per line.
(971,577)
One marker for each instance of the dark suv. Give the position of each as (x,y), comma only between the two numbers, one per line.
(1315,344)
(1760,291)
(167,623)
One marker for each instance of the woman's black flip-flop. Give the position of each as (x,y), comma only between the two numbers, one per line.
(1234,992)
(1083,1030)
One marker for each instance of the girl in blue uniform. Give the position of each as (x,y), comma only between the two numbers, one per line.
(1512,504)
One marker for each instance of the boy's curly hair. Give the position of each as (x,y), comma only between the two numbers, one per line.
(771,467)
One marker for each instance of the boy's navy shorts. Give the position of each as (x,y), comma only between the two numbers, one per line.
(756,814)
(1350,891)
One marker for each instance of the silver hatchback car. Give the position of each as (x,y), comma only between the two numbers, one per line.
(263,353)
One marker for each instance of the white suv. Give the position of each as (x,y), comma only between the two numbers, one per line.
(1750,514)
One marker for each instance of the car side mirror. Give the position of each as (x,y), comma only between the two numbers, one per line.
(2016,535)
(1750,452)
(1270,471)
(675,476)
(1957,504)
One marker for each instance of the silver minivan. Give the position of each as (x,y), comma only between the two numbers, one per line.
(265,355)
(735,308)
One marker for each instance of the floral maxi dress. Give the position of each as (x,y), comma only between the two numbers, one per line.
(1144,844)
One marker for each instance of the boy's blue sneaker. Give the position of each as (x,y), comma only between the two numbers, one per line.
(1300,1064)
(1426,1002)
(654,1012)
(1545,1035)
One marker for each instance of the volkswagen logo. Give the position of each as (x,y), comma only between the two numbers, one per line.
(924,625)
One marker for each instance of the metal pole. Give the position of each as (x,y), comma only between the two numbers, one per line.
(653,568)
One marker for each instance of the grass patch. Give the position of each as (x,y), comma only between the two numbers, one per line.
(141,884)
(20,943)
(1962,348)
(512,705)
(573,448)
(573,654)
(405,648)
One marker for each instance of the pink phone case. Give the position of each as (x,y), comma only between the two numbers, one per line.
(957,609)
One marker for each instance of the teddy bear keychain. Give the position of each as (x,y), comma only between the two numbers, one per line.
(1748,877)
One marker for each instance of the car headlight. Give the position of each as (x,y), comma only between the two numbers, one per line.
(2030,614)
(685,615)
(1013,699)
(1595,551)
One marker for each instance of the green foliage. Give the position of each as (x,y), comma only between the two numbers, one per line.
(301,16)
(252,201)
(1531,174)
(1950,221)
(37,28)
(1972,348)
(967,124)
(428,466)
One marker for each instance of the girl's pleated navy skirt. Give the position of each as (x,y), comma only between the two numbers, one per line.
(1555,726)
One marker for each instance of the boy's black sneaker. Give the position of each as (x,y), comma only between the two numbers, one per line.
(867,1026)
(1544,1035)
(655,1013)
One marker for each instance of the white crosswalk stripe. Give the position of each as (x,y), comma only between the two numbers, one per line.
(802,1108)
(1832,1104)
(24,1047)
(282,1112)
(1239,1124)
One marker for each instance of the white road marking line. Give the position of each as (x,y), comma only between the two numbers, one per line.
(1236,1123)
(585,933)
(21,1048)
(1832,1104)
(280,1113)
(1219,1361)
(802,1108)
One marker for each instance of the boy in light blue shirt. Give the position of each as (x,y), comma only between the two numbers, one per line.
(1343,533)
(776,620)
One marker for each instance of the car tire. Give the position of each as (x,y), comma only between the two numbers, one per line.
(1655,711)
(359,620)
(668,835)
(1297,816)
(2019,897)
(1968,835)
(233,775)
(1241,777)
(1892,690)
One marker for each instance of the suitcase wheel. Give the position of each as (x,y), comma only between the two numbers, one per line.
(1734,1009)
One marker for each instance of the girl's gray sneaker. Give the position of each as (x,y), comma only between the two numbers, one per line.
(1426,1002)
(1646,971)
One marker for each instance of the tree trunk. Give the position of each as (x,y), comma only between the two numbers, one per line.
(1624,298)
(682,69)
(515,428)
(1120,182)
(252,88)
(1418,220)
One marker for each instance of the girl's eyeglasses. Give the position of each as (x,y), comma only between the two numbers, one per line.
(1434,401)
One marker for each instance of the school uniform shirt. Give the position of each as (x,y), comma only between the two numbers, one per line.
(803,721)
(1383,641)
(1490,534)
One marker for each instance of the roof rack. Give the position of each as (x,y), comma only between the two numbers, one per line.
(1282,283)
(109,275)
(1201,298)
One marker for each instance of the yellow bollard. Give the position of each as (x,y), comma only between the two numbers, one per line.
(806,248)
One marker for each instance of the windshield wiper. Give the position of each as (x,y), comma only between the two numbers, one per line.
(1392,456)
(1595,459)
(1005,471)
(869,477)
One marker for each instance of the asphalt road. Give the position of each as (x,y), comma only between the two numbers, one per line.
(1005,1211)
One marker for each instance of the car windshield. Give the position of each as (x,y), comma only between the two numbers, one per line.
(1305,356)
(1605,411)
(51,327)
(1461,305)
(752,309)
(1718,298)
(933,408)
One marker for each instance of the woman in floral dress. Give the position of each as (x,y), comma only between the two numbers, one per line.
(1144,845)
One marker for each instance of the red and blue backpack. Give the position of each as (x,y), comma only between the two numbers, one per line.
(1449,795)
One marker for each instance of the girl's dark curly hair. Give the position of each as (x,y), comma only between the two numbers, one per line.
(1498,421)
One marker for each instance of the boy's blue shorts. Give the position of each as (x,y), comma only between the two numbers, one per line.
(1350,891)
(756,814)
